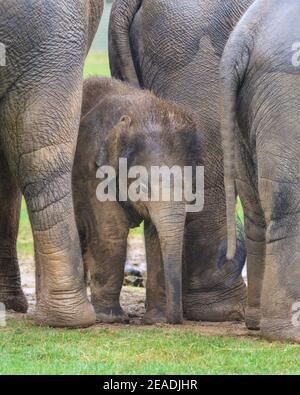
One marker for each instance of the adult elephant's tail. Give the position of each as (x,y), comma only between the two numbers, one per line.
(120,54)
(234,66)
(227,131)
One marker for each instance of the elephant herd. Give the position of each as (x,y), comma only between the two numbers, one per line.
(212,83)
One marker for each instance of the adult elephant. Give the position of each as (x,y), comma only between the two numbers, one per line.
(40,99)
(261,93)
(174,48)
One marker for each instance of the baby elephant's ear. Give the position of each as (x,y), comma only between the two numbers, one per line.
(121,136)
(116,142)
(122,131)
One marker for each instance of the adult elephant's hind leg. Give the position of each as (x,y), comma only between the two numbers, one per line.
(42,130)
(255,230)
(280,295)
(255,238)
(213,287)
(11,293)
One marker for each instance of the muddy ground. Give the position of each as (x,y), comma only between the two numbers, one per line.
(133,298)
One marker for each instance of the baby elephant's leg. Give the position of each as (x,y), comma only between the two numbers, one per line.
(105,257)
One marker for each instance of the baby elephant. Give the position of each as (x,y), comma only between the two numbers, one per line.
(129,142)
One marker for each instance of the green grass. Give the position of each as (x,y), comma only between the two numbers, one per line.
(27,349)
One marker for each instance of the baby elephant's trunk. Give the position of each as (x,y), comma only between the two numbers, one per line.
(169,219)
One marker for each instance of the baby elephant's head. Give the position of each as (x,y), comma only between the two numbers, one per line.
(157,148)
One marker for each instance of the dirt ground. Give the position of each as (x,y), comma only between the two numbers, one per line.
(133,298)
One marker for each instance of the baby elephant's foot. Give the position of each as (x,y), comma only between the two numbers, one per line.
(111,315)
(154,316)
(15,301)
(252,318)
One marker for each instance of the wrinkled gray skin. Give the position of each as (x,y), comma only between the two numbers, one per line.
(174,48)
(40,98)
(119,121)
(261,92)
